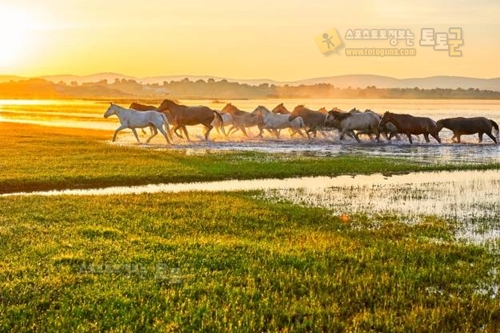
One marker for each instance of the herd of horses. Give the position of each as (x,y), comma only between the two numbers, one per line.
(301,121)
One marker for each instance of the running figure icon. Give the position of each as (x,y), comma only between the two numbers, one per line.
(328,41)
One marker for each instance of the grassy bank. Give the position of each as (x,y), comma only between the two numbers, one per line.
(231,262)
(45,158)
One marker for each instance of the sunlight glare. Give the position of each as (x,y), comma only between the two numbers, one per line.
(15,26)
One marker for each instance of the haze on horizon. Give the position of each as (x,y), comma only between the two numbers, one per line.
(236,39)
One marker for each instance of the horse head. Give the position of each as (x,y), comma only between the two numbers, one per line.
(110,111)
(229,108)
(280,108)
(166,105)
(386,118)
(295,112)
(334,118)
(260,111)
(439,125)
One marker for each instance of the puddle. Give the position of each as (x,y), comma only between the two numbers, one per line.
(469,198)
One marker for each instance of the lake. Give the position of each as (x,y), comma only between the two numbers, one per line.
(89,114)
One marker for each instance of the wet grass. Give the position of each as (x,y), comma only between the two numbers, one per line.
(233,262)
(44,158)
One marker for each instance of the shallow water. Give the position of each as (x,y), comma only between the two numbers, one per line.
(89,114)
(469,198)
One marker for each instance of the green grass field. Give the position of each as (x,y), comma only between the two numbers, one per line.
(232,262)
(215,262)
(44,158)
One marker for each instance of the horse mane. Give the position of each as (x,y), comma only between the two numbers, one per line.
(230,106)
(299,107)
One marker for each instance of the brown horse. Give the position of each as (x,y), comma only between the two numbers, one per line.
(280,109)
(142,107)
(408,124)
(242,119)
(465,126)
(181,116)
(314,120)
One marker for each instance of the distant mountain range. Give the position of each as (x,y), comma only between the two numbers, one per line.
(341,81)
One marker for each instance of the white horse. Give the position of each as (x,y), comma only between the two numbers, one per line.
(227,119)
(276,122)
(130,118)
(348,122)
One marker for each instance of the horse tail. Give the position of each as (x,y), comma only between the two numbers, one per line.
(219,116)
(166,124)
(495,126)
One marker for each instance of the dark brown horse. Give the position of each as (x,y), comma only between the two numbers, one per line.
(314,120)
(142,107)
(408,124)
(465,126)
(181,116)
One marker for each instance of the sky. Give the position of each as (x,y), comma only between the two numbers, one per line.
(239,39)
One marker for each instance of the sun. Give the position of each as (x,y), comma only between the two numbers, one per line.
(15,26)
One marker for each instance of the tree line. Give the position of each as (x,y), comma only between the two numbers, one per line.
(221,89)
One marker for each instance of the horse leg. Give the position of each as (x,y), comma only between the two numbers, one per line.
(356,136)
(155,132)
(184,129)
(177,133)
(136,136)
(426,136)
(165,134)
(409,137)
(459,138)
(300,133)
(435,135)
(118,130)
(233,129)
(209,128)
(491,136)
(261,130)
(454,137)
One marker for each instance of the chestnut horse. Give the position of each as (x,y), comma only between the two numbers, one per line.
(408,124)
(465,126)
(181,116)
